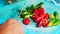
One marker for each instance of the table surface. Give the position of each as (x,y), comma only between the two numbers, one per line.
(10,11)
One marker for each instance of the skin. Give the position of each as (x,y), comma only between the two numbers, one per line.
(11,27)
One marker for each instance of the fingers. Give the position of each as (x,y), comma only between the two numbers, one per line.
(12,27)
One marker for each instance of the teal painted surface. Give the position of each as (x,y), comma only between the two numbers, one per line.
(10,11)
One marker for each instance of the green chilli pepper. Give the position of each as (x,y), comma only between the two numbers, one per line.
(51,16)
(51,23)
(57,23)
(56,15)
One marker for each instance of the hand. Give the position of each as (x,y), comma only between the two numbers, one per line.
(11,27)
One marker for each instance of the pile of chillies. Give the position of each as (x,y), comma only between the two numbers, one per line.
(39,16)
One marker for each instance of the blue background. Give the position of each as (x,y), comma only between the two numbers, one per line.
(8,11)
